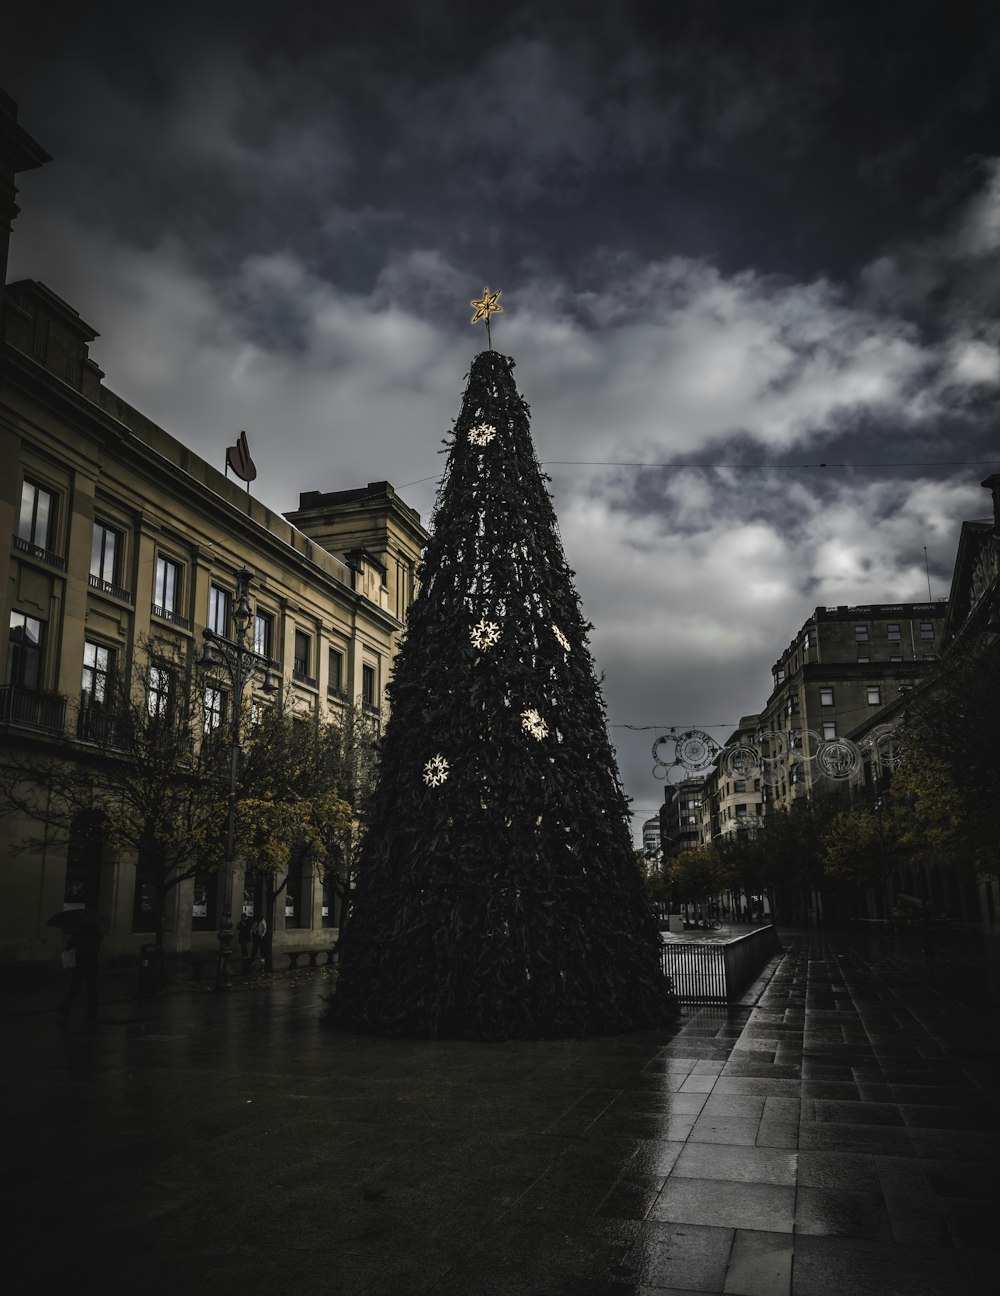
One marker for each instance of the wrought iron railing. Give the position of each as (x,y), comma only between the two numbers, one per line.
(167,614)
(30,709)
(41,555)
(95,724)
(108,587)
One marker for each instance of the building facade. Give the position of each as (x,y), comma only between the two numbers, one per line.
(120,536)
(842,669)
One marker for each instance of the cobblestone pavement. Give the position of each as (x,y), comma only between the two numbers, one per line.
(837,1133)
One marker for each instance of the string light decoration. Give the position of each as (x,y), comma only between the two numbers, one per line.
(435,771)
(482,434)
(513,907)
(533,723)
(485,635)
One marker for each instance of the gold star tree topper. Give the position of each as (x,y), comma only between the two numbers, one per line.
(487,305)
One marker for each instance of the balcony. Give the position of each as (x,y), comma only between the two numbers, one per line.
(30,709)
(371,708)
(168,614)
(301,677)
(40,555)
(108,587)
(95,725)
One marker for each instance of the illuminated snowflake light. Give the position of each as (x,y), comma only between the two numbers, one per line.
(482,434)
(435,771)
(484,635)
(533,724)
(564,643)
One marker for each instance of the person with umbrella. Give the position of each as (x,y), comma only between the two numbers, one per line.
(83,936)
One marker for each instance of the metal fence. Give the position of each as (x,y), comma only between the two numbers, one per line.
(709,972)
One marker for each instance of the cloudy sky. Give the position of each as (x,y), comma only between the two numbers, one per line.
(745,238)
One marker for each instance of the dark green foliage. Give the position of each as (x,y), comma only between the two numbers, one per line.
(506,902)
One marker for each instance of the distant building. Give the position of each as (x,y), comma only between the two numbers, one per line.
(733,798)
(844,666)
(120,533)
(651,837)
(680,816)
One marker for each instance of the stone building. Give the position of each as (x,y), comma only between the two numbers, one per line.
(845,665)
(119,535)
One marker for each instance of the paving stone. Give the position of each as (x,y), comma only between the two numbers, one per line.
(726,1204)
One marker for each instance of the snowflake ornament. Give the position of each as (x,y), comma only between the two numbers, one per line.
(435,771)
(484,635)
(482,434)
(532,723)
(564,643)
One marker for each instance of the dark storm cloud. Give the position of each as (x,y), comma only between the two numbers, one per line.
(742,235)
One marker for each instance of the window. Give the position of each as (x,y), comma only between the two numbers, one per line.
(295,890)
(36,525)
(860,634)
(779,675)
(740,785)
(167,587)
(300,661)
(865,660)
(741,812)
(24,651)
(218,611)
(874,695)
(793,706)
(826,697)
(893,631)
(215,707)
(98,663)
(892,659)
(335,681)
(263,633)
(812,637)
(829,731)
(368,691)
(105,552)
(158,692)
(926,630)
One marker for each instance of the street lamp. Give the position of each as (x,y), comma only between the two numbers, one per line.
(241,663)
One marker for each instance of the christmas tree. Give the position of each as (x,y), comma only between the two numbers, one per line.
(498,892)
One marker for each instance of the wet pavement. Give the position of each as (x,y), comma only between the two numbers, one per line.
(837,1132)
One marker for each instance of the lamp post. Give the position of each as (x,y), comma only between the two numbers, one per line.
(241,663)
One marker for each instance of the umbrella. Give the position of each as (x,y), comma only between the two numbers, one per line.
(73,920)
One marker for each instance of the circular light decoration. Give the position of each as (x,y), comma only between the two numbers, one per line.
(772,771)
(564,643)
(482,434)
(667,739)
(532,723)
(435,771)
(772,744)
(695,750)
(741,760)
(484,635)
(838,758)
(886,745)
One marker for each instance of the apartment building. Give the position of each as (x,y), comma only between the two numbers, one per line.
(842,668)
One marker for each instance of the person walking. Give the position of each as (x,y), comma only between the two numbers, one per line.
(85,943)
